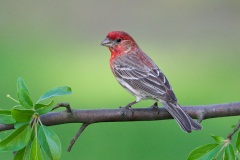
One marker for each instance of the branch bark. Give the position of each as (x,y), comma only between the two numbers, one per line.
(140,114)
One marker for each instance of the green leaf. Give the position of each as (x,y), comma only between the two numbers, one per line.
(19,124)
(4,111)
(20,154)
(22,115)
(212,154)
(238,142)
(35,152)
(22,85)
(49,142)
(27,152)
(237,156)
(59,91)
(24,154)
(229,152)
(6,117)
(16,140)
(24,99)
(218,139)
(44,108)
(201,151)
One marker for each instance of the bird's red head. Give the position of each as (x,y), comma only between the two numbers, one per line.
(119,43)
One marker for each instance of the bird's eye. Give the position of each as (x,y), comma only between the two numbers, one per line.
(119,40)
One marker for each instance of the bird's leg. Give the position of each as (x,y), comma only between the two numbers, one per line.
(128,106)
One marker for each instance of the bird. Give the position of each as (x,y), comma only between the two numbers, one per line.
(138,74)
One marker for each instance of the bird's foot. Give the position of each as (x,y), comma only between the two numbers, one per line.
(155,106)
(127,107)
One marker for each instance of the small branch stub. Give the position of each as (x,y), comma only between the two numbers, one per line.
(66,105)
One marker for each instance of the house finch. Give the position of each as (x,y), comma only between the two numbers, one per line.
(139,75)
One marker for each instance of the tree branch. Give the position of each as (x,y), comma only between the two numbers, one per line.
(140,114)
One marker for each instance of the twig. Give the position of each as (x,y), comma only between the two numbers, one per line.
(66,105)
(234,131)
(83,126)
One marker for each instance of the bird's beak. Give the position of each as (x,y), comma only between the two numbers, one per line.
(106,42)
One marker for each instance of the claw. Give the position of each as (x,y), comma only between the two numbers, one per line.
(155,105)
(127,107)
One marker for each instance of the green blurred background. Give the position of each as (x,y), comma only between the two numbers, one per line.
(55,43)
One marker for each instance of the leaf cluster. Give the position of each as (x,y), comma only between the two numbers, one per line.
(31,139)
(221,149)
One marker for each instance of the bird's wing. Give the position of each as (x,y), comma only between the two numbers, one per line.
(137,73)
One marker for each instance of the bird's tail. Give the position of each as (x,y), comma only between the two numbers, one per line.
(182,118)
